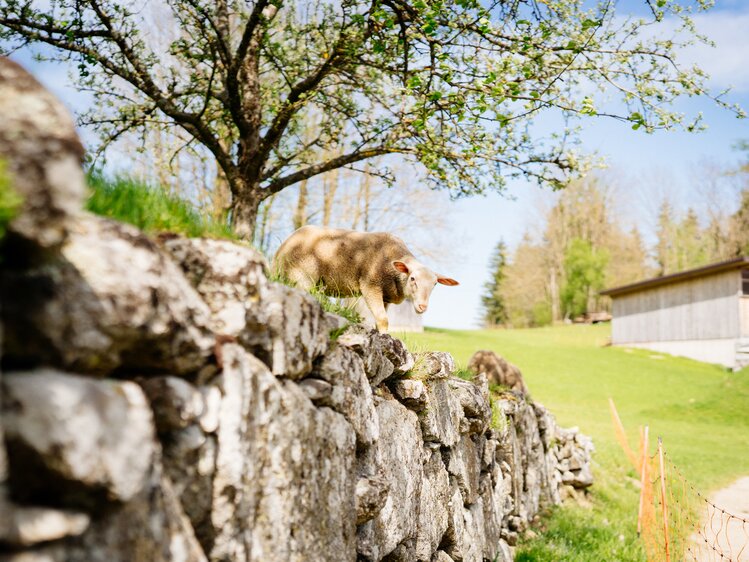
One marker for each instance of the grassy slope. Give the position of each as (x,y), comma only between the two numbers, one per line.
(150,209)
(700,411)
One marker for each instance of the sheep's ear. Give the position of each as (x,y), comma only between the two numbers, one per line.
(400,266)
(447,281)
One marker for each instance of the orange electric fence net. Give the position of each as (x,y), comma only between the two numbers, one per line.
(675,521)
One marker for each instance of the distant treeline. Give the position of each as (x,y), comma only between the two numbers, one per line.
(584,244)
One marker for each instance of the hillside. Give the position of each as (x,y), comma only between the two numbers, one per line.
(698,409)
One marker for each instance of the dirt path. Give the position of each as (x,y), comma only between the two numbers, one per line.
(727,534)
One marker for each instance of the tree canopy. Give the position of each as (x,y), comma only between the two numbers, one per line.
(454,85)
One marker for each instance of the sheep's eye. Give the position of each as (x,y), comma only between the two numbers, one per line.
(413,279)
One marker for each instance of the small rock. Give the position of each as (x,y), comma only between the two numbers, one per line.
(412,393)
(75,438)
(442,414)
(287,330)
(211,405)
(230,277)
(368,346)
(317,390)
(175,402)
(351,394)
(22,526)
(371,494)
(433,365)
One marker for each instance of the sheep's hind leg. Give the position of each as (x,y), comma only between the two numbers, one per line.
(373,298)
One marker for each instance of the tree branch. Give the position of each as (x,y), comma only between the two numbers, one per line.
(332,164)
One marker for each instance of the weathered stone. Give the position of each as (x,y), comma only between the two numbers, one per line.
(211,405)
(432,365)
(412,393)
(175,402)
(152,526)
(351,395)
(371,495)
(394,351)
(582,478)
(113,300)
(287,331)
(284,484)
(497,370)
(433,511)
(335,324)
(490,449)
(39,143)
(464,463)
(441,556)
(400,446)
(228,276)
(75,440)
(474,540)
(452,542)
(364,343)
(23,526)
(189,458)
(441,416)
(546,424)
(475,403)
(317,390)
(497,503)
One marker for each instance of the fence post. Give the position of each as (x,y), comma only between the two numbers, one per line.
(663,499)
(643,476)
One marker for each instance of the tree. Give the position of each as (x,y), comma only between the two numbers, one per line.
(454,85)
(495,311)
(525,287)
(740,226)
(584,269)
(666,232)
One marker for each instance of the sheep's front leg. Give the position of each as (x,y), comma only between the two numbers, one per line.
(373,297)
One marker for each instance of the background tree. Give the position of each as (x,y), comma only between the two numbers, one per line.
(492,302)
(558,271)
(584,269)
(452,85)
(525,289)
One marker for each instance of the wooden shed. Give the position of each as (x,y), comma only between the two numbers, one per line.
(701,313)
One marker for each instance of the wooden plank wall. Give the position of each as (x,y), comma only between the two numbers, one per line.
(744,303)
(695,309)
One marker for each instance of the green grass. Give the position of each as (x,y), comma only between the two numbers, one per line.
(346,309)
(149,208)
(10,201)
(700,411)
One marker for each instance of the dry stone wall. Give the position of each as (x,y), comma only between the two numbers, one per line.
(161,400)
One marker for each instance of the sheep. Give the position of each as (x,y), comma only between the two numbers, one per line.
(375,265)
(497,370)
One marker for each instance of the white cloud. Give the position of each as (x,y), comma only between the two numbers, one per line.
(728,62)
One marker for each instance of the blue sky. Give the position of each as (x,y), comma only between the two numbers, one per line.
(480,222)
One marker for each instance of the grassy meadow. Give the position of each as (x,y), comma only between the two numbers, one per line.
(701,411)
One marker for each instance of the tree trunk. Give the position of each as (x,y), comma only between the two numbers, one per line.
(244,210)
(220,196)
(300,214)
(554,290)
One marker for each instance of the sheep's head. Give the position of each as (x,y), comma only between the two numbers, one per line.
(420,280)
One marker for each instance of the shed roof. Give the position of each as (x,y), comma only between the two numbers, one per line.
(736,263)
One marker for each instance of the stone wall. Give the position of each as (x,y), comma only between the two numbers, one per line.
(162,400)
